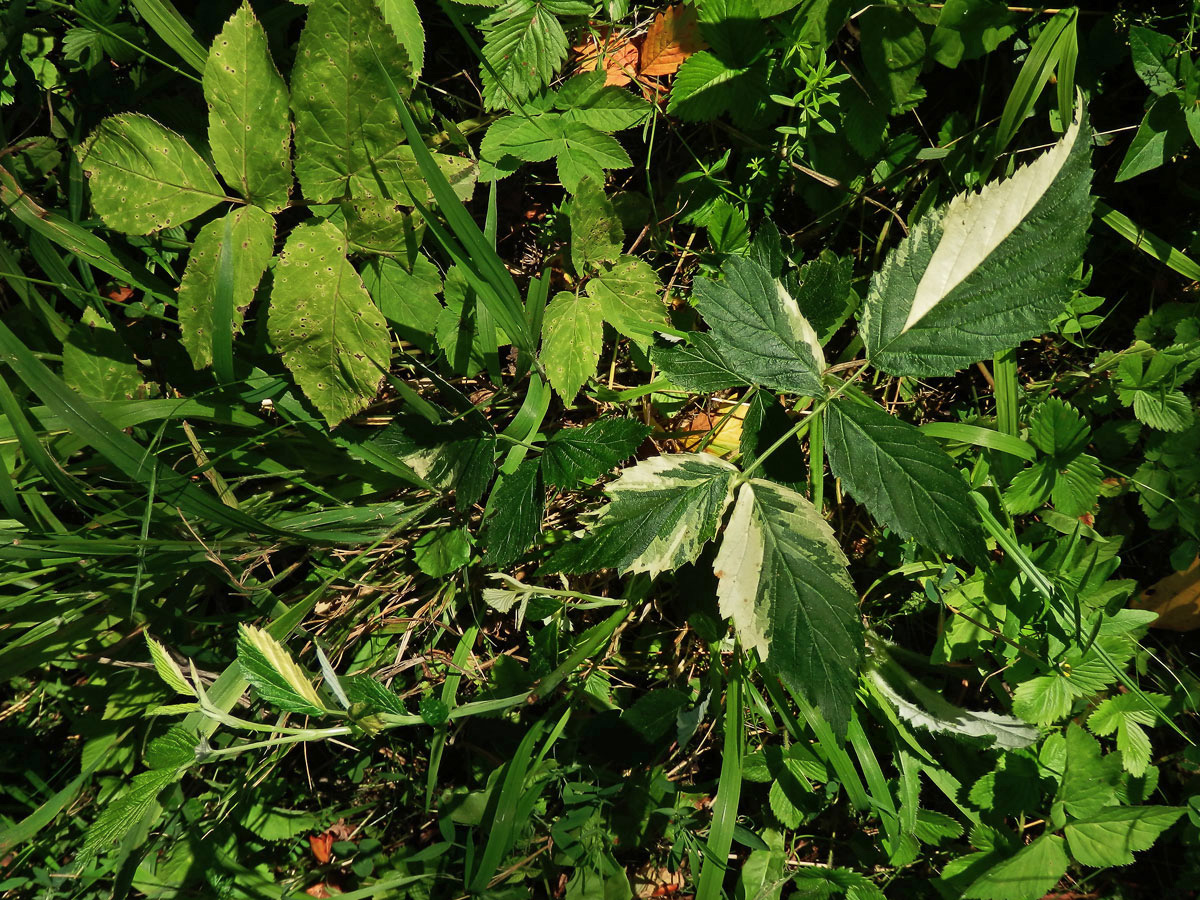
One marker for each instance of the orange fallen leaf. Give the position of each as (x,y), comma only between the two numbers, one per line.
(319,890)
(722,428)
(120,294)
(620,56)
(674,36)
(322,846)
(1176,599)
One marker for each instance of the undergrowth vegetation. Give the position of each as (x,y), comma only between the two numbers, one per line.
(570,449)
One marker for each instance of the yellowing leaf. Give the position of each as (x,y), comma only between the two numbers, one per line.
(618,55)
(674,36)
(1176,599)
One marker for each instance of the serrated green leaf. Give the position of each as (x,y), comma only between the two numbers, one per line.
(96,361)
(405,21)
(331,336)
(784,583)
(408,300)
(653,714)
(524,45)
(1126,714)
(253,235)
(347,132)
(582,454)
(596,232)
(629,294)
(375,696)
(145,177)
(587,100)
(271,671)
(456,455)
(514,515)
(168,670)
(572,335)
(121,816)
(172,750)
(580,150)
(376,225)
(903,478)
(1089,780)
(1156,59)
(1164,410)
(663,511)
(704,88)
(823,293)
(1111,836)
(439,552)
(986,271)
(697,365)
(248,127)
(758,329)
(1029,874)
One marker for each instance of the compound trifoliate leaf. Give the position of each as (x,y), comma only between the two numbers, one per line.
(272,672)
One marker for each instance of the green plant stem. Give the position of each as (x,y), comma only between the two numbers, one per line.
(729,789)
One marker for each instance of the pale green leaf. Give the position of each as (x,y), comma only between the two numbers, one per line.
(253,233)
(248,127)
(405,21)
(1164,410)
(596,232)
(168,670)
(903,478)
(145,177)
(524,45)
(408,300)
(1029,874)
(663,511)
(759,330)
(439,552)
(348,132)
(629,294)
(271,671)
(784,583)
(986,271)
(572,334)
(1125,714)
(1111,837)
(331,336)
(376,225)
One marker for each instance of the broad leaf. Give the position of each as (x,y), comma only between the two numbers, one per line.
(248,127)
(893,50)
(1111,836)
(572,335)
(253,234)
(514,515)
(271,671)
(1025,876)
(759,330)
(596,232)
(348,133)
(1089,780)
(1162,134)
(704,88)
(629,296)
(582,454)
(784,583)
(663,511)
(331,336)
(145,177)
(408,300)
(172,750)
(580,150)
(524,46)
(457,455)
(672,38)
(986,271)
(1125,714)
(588,100)
(902,477)
(441,551)
(823,293)
(97,362)
(697,365)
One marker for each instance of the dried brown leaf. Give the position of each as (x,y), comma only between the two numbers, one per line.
(674,36)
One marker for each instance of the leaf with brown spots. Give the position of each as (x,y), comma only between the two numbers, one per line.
(674,36)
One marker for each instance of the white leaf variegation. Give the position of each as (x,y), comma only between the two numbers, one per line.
(663,511)
(783,582)
(985,271)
